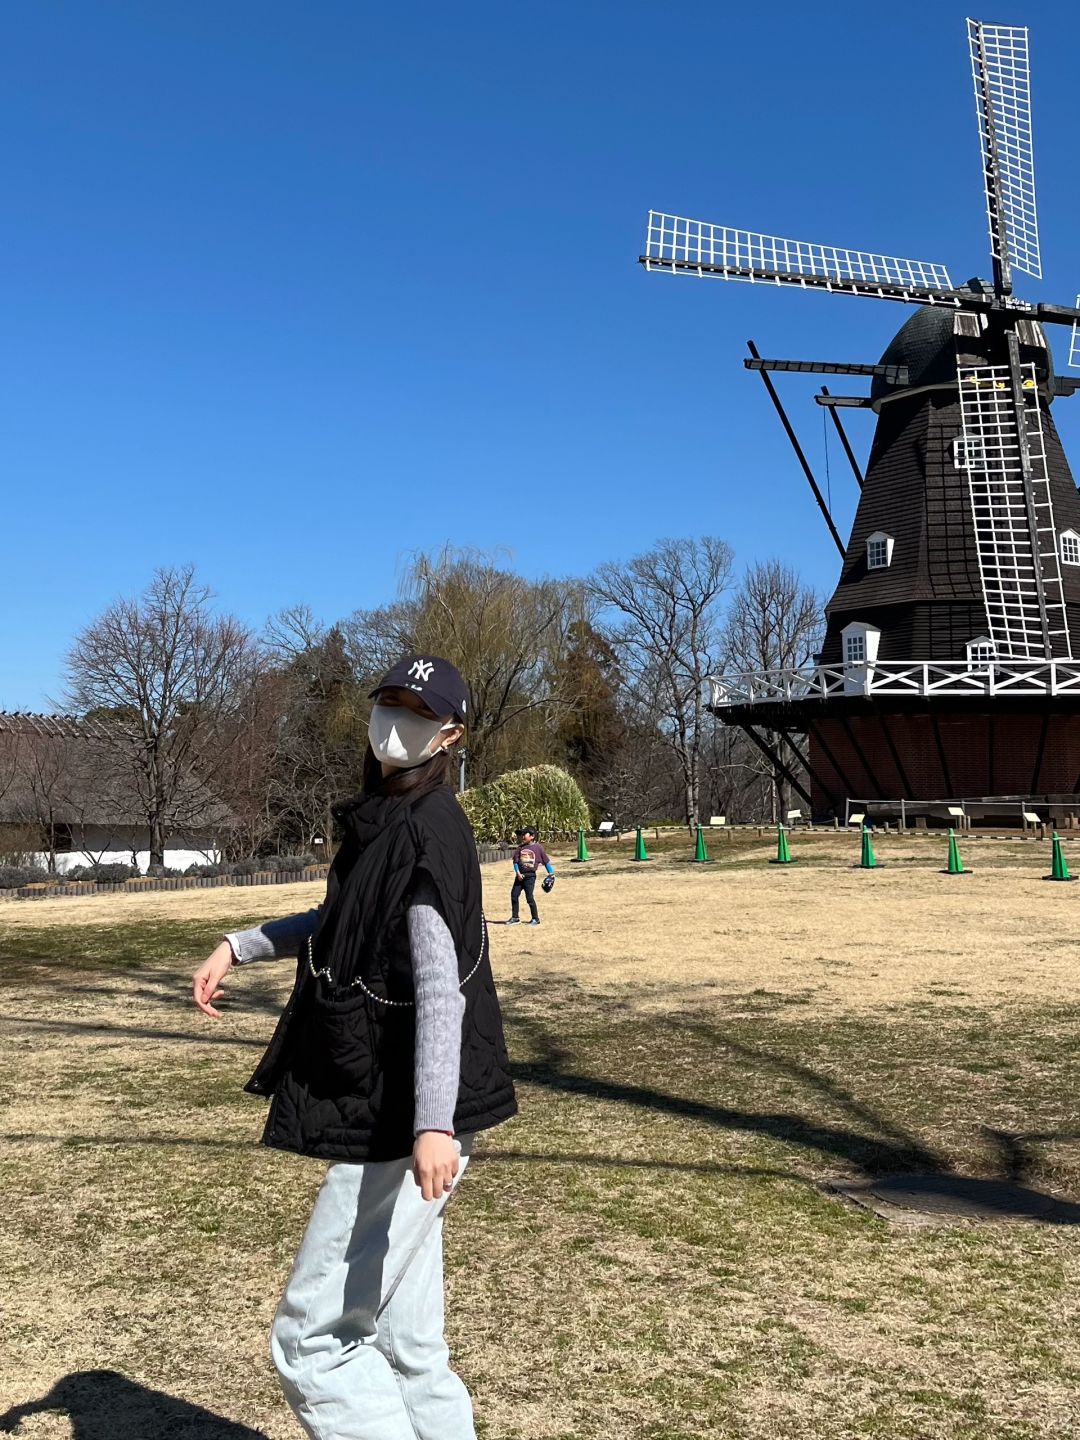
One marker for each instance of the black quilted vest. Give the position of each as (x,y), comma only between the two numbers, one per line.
(340,1064)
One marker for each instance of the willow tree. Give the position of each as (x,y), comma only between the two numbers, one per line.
(506,634)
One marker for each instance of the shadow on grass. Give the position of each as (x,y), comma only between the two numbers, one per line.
(872,1155)
(881,1149)
(104,1405)
(1015,1147)
(480,1157)
(890,1150)
(143,1032)
(170,990)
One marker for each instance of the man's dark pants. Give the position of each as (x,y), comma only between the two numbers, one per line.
(528,884)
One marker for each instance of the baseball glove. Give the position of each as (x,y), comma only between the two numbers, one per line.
(548,883)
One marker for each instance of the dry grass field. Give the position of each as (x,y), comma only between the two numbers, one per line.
(650,1251)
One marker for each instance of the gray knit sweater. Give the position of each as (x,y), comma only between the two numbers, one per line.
(440,1004)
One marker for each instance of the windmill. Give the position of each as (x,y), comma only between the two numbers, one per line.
(951,661)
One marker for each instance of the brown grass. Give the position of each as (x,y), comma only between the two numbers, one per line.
(646,1252)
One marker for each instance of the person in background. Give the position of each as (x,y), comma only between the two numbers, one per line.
(387,1061)
(528,857)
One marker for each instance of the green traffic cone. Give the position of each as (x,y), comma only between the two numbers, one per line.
(639,847)
(956,865)
(1059,869)
(783,850)
(582,849)
(867,862)
(701,855)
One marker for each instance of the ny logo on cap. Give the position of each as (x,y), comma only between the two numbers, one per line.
(422,669)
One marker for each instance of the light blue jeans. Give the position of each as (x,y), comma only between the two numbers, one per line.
(358,1336)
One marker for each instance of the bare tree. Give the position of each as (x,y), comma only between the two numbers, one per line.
(248,778)
(291,633)
(775,623)
(376,639)
(45,793)
(321,739)
(667,634)
(162,670)
(641,779)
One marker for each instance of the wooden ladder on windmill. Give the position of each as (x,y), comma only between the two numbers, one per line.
(1004,454)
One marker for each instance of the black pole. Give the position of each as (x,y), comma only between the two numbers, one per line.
(901,772)
(804,761)
(770,387)
(863,761)
(818,739)
(774,759)
(844,440)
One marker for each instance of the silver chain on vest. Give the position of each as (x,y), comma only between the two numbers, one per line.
(397,1004)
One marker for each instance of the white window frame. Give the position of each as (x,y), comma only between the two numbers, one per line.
(1074,545)
(866,638)
(981,653)
(878,539)
(963,453)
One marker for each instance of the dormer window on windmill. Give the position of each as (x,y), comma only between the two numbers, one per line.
(1070,547)
(981,652)
(879,548)
(860,642)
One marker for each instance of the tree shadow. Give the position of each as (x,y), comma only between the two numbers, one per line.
(105,1405)
(1016,1148)
(137,1032)
(170,988)
(891,1149)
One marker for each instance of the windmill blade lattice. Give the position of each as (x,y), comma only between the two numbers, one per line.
(1002,75)
(1018,561)
(695,247)
(1074,341)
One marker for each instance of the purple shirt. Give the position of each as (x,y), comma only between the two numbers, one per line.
(530,858)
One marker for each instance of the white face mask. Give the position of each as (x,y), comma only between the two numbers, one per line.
(402,738)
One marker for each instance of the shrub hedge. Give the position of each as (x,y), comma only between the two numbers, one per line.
(12,876)
(543,795)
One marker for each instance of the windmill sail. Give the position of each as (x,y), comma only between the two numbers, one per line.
(1016,541)
(695,247)
(1002,76)
(1074,341)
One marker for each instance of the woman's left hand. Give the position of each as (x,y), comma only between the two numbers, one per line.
(435,1163)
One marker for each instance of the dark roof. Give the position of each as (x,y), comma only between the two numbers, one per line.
(23,722)
(65,766)
(926,345)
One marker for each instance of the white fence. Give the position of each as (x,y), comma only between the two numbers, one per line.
(907,677)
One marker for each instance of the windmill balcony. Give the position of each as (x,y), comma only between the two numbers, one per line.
(895,678)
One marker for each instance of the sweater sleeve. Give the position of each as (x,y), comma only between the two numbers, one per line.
(275,940)
(440,1007)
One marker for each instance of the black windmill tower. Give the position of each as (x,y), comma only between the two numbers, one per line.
(951,664)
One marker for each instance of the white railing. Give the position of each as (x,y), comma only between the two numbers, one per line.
(897,677)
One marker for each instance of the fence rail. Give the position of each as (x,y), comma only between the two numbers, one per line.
(892,677)
(50,890)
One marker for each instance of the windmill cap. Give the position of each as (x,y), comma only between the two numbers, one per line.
(436,681)
(926,347)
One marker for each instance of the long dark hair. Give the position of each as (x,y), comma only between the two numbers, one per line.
(417,778)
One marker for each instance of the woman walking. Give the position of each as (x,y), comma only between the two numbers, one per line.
(388,1058)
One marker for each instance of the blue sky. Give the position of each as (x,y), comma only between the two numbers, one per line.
(292,291)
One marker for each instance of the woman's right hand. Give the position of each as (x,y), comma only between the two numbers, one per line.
(208,978)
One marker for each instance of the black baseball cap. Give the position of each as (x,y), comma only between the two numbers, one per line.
(437,682)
